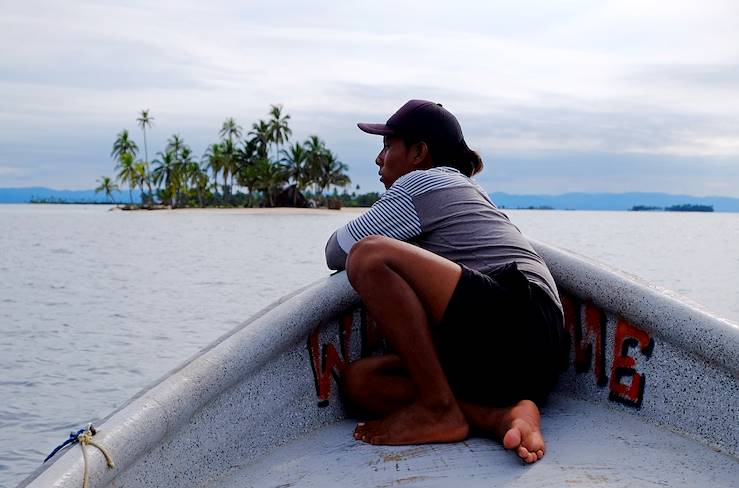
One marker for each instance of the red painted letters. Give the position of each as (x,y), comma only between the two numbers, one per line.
(588,338)
(326,361)
(623,365)
(585,323)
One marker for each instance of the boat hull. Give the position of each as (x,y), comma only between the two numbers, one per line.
(634,350)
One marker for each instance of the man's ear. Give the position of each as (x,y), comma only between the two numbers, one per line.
(421,155)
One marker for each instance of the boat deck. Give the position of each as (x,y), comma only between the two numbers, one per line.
(587,445)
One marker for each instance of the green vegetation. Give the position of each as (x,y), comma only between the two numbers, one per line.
(66,201)
(257,169)
(108,186)
(690,208)
(355,199)
(686,207)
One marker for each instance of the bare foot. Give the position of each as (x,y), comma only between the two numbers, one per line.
(523,431)
(415,424)
(517,427)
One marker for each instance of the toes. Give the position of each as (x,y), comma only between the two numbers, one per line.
(360,430)
(366,432)
(522,452)
(539,454)
(512,439)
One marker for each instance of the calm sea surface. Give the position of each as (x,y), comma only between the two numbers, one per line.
(95,305)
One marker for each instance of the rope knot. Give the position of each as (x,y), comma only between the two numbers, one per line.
(84,438)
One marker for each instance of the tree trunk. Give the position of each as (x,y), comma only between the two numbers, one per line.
(151,194)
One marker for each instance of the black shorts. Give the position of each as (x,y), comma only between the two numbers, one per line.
(501,338)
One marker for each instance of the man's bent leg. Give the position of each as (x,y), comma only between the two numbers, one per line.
(377,386)
(404,288)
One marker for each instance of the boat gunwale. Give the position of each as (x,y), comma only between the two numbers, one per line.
(249,353)
(690,327)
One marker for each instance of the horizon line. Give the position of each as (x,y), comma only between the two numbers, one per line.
(492,192)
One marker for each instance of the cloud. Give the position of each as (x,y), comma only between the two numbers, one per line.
(10,171)
(714,76)
(631,77)
(562,172)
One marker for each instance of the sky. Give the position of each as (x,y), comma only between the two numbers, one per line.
(557,96)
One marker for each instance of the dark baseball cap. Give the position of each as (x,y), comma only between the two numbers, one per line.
(421,120)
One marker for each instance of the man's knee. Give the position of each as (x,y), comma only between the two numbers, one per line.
(367,255)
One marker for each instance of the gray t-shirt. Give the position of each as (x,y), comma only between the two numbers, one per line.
(447,213)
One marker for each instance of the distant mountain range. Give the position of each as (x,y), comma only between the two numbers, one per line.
(574,201)
(612,201)
(25,195)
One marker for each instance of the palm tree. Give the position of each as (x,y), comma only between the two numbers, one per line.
(140,177)
(127,172)
(332,172)
(215,161)
(230,166)
(268,178)
(294,162)
(246,157)
(166,172)
(123,145)
(184,168)
(230,130)
(199,179)
(175,148)
(108,186)
(278,128)
(262,135)
(315,154)
(175,145)
(144,121)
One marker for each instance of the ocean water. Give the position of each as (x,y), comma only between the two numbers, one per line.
(97,304)
(693,254)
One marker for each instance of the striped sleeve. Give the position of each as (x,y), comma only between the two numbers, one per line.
(393,215)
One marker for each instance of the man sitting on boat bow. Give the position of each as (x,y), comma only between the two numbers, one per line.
(469,310)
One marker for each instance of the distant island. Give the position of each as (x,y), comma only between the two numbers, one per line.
(685,207)
(690,208)
(67,201)
(646,208)
(618,201)
(258,168)
(567,201)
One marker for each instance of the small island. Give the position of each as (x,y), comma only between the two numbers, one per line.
(259,168)
(690,208)
(685,207)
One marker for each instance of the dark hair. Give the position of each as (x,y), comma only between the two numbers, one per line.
(462,158)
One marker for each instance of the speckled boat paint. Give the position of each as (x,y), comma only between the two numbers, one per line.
(652,357)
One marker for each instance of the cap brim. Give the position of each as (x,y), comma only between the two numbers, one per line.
(379,129)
